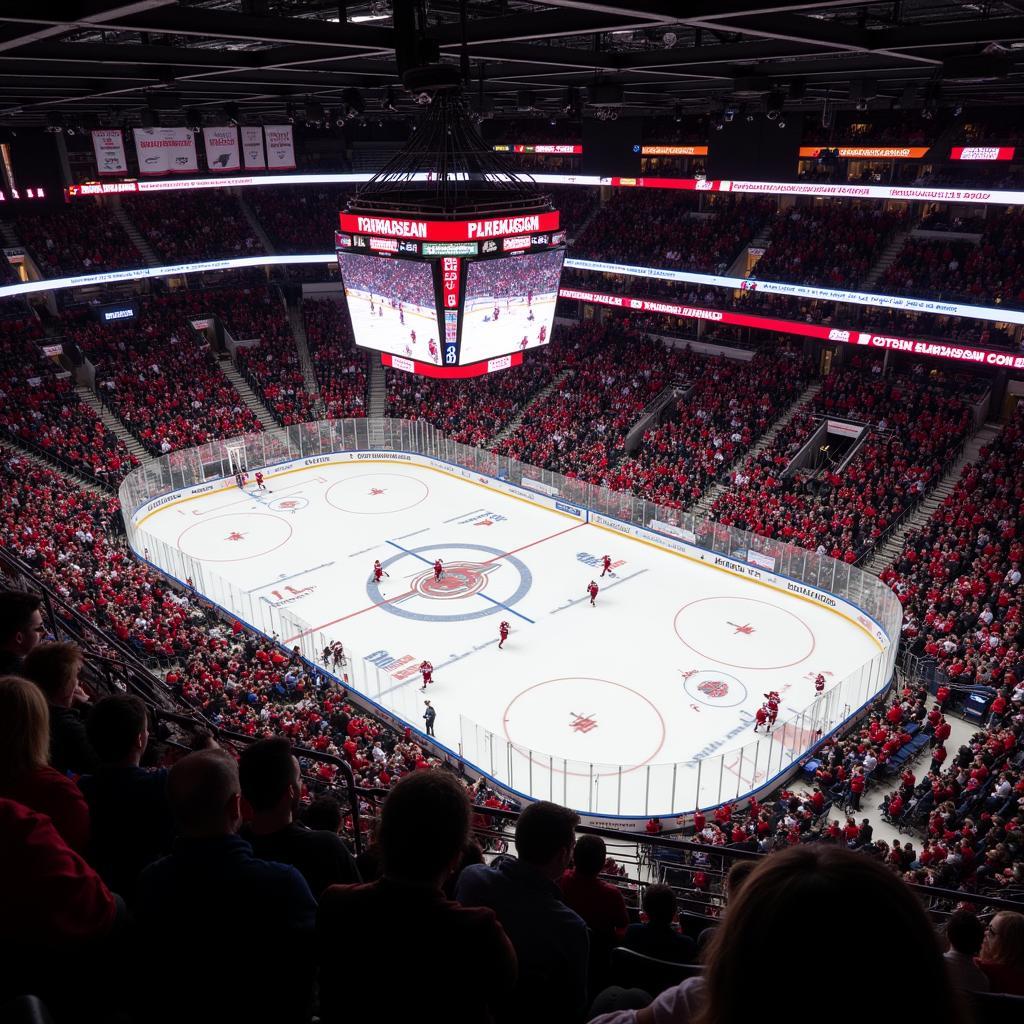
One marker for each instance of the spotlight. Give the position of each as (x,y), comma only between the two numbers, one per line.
(728,114)
(750,117)
(677,114)
(552,122)
(782,124)
(719,125)
(231,113)
(669,39)
(862,104)
(389,99)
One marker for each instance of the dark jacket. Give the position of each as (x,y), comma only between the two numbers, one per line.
(223,935)
(322,857)
(550,940)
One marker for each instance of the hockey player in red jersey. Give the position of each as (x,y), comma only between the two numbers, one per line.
(378,572)
(606,564)
(762,719)
(432,349)
(819,685)
(592,589)
(427,671)
(494,315)
(412,335)
(542,334)
(438,570)
(529,297)
(524,342)
(259,480)
(772,706)
(503,633)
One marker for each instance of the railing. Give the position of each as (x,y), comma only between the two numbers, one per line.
(724,772)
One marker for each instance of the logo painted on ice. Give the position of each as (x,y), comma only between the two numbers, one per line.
(714,689)
(582,723)
(594,560)
(287,595)
(460,579)
(292,504)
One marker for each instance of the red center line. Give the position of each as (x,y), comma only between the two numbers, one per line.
(533,543)
(351,615)
(378,604)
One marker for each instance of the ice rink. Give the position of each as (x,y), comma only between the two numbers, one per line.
(383,329)
(483,337)
(669,665)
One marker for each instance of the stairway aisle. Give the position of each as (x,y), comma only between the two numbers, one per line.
(894,542)
(376,388)
(711,495)
(305,359)
(112,423)
(510,429)
(248,396)
(138,239)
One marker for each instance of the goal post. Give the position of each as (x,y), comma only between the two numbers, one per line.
(237,462)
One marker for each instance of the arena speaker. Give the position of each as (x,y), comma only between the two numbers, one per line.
(762,149)
(611,148)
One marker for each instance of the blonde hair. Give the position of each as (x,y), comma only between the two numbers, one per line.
(53,667)
(24,729)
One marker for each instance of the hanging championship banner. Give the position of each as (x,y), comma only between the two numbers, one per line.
(108,145)
(166,150)
(221,148)
(280,146)
(252,149)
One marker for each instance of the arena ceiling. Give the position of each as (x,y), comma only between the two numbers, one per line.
(103,62)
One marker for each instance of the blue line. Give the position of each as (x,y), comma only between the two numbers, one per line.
(426,529)
(500,604)
(408,552)
(507,608)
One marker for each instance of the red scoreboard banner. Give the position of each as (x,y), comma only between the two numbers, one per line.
(449,230)
(847,336)
(452,372)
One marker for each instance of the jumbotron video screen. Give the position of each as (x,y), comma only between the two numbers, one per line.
(509,304)
(391,303)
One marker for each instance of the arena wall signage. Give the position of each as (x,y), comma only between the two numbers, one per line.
(996,197)
(867,152)
(448,231)
(920,347)
(982,153)
(997,314)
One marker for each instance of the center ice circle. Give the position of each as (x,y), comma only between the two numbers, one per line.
(372,494)
(461,580)
(586,719)
(742,632)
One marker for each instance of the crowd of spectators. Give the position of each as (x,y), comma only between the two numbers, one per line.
(271,366)
(206,225)
(159,375)
(989,272)
(299,218)
(915,428)
(728,407)
(339,366)
(470,411)
(579,429)
(831,244)
(651,227)
(959,576)
(38,406)
(84,238)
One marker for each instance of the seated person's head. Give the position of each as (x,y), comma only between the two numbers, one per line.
(545,836)
(589,856)
(875,920)
(21,621)
(24,729)
(737,875)
(118,728)
(424,825)
(324,814)
(270,776)
(965,933)
(54,669)
(660,905)
(205,795)
(1004,939)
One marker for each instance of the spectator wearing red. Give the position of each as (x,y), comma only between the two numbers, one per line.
(599,903)
(26,775)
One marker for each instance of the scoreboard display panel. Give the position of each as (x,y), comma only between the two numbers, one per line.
(451,297)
